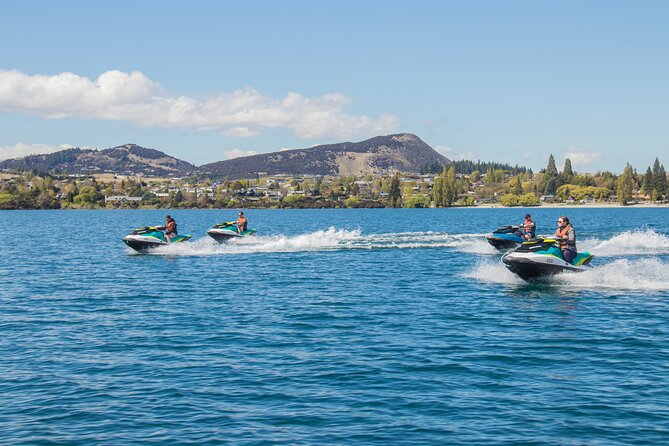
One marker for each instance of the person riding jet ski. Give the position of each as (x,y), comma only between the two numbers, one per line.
(150,237)
(566,236)
(528,229)
(545,256)
(222,232)
(507,237)
(170,228)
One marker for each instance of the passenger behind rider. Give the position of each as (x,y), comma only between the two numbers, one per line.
(529,228)
(170,228)
(566,237)
(242,223)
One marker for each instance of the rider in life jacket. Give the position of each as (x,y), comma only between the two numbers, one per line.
(170,228)
(242,223)
(528,227)
(566,237)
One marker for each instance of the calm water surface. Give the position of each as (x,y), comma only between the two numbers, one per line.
(331,327)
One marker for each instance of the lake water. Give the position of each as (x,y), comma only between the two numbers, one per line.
(331,327)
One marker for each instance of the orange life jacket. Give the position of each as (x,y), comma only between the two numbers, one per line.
(241,223)
(565,243)
(171,227)
(528,226)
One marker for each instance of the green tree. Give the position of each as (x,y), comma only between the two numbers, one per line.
(647,182)
(549,184)
(567,172)
(7,201)
(509,200)
(438,192)
(417,201)
(394,194)
(528,200)
(659,178)
(625,186)
(450,187)
(352,202)
(87,195)
(517,186)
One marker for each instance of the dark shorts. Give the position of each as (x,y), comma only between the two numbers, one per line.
(569,255)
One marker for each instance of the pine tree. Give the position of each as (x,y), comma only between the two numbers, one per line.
(626,185)
(549,183)
(660,181)
(394,194)
(647,182)
(567,172)
(551,170)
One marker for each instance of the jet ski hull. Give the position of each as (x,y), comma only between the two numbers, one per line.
(148,242)
(505,238)
(222,235)
(531,266)
(504,242)
(142,244)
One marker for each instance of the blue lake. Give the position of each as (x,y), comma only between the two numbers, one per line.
(331,327)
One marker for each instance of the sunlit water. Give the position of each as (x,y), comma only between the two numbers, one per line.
(331,327)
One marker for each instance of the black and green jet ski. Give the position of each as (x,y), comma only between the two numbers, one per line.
(541,257)
(222,232)
(150,237)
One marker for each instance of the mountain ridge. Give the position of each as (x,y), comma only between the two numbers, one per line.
(130,159)
(403,152)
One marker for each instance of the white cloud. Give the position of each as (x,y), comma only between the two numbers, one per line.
(240,132)
(581,158)
(452,155)
(20,150)
(238,153)
(132,97)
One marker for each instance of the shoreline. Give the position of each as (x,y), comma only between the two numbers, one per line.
(576,206)
(481,206)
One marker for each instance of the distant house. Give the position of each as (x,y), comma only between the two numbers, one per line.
(547,198)
(122,199)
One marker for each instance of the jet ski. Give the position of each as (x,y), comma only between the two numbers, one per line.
(150,237)
(222,232)
(542,257)
(505,238)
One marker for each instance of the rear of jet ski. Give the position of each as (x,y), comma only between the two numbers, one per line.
(222,232)
(150,237)
(143,243)
(505,238)
(503,242)
(536,260)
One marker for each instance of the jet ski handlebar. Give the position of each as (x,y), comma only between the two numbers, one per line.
(146,229)
(225,224)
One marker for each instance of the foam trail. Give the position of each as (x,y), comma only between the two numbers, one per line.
(493,273)
(475,246)
(331,239)
(633,275)
(638,242)
(315,241)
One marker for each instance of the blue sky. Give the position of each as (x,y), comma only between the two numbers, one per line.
(508,81)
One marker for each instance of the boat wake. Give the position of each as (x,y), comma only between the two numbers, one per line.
(640,274)
(637,242)
(328,240)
